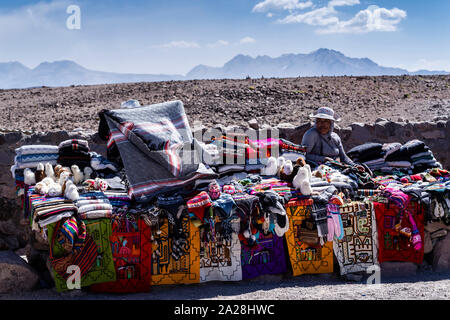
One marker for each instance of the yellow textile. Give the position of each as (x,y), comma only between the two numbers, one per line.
(165,269)
(304,258)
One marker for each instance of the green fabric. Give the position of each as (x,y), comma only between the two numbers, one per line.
(103,269)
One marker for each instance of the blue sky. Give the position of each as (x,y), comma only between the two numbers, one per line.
(173,36)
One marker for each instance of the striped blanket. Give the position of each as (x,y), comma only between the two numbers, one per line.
(157,148)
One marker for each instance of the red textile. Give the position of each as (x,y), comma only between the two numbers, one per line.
(393,246)
(132,253)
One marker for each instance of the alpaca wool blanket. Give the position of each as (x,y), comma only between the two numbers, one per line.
(156,146)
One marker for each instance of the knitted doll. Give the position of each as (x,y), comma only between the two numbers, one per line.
(214,190)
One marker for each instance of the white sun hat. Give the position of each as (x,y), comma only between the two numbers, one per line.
(326,113)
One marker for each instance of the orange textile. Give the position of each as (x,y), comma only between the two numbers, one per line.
(305,259)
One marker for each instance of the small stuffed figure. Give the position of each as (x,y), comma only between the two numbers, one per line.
(88,173)
(63,177)
(286,171)
(57,171)
(71,191)
(308,169)
(271,167)
(322,171)
(77,174)
(49,171)
(301,182)
(55,190)
(281,162)
(39,174)
(300,162)
(97,184)
(29,177)
(229,188)
(41,188)
(214,190)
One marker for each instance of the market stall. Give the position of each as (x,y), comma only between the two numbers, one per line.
(163,208)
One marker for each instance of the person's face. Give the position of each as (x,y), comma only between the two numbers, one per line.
(323,125)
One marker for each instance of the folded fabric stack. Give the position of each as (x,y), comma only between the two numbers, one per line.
(94,205)
(424,160)
(47,210)
(31,156)
(74,152)
(395,158)
(416,154)
(118,199)
(366,152)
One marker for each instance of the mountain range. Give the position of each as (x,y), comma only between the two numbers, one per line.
(322,62)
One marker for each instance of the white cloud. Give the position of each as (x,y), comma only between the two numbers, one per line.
(247,40)
(178,44)
(340,3)
(33,18)
(219,43)
(269,15)
(277,5)
(318,17)
(371,19)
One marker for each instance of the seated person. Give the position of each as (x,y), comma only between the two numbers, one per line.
(322,144)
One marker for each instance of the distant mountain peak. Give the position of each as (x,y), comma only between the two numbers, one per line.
(321,62)
(61,64)
(325,51)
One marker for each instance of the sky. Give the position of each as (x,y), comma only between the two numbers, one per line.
(173,36)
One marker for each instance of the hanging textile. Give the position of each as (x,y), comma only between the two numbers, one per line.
(132,251)
(220,259)
(182,268)
(103,269)
(305,258)
(358,248)
(265,257)
(395,243)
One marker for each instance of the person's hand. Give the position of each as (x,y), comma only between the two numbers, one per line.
(327,159)
(360,168)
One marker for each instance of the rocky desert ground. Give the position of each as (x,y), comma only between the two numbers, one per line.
(234,102)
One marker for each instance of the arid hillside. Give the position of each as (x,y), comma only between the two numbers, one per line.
(228,102)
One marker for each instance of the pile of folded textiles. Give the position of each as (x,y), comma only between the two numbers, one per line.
(30,156)
(47,210)
(74,152)
(94,205)
(388,158)
(118,199)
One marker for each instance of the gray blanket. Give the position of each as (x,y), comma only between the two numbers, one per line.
(157,149)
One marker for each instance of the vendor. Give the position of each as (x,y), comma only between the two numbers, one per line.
(322,144)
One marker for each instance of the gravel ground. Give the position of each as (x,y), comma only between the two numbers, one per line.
(426,285)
